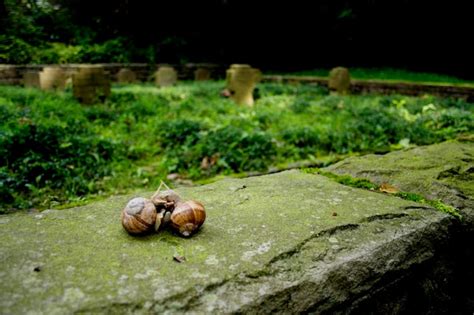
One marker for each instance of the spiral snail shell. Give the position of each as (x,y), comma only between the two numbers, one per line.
(139,216)
(187,217)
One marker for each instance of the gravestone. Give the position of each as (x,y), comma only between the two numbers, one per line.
(202,74)
(8,74)
(31,79)
(52,78)
(166,76)
(91,84)
(241,81)
(339,81)
(126,75)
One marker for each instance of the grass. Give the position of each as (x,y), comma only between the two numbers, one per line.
(389,74)
(55,152)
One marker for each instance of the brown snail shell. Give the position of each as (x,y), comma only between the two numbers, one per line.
(139,216)
(166,199)
(187,217)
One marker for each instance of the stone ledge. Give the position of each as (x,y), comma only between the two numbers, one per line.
(442,171)
(287,242)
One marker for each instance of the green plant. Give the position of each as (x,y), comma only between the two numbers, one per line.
(53,150)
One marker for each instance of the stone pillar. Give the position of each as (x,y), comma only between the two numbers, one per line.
(241,81)
(31,79)
(339,81)
(126,75)
(52,78)
(166,76)
(202,74)
(91,84)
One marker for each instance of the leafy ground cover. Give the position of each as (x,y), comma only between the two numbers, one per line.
(55,151)
(389,74)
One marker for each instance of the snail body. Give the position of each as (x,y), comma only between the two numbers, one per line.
(142,215)
(187,217)
(139,216)
(164,202)
(166,199)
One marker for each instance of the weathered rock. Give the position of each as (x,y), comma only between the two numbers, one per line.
(339,81)
(202,74)
(126,75)
(283,243)
(241,81)
(442,171)
(9,74)
(91,84)
(166,76)
(52,78)
(31,79)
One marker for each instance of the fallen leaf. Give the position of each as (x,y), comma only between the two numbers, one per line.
(179,259)
(387,188)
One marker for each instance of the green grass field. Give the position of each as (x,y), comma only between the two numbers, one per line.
(55,152)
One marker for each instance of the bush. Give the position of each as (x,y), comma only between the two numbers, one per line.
(52,149)
(48,154)
(14,50)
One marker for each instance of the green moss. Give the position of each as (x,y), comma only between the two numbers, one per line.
(411,197)
(438,204)
(344,179)
(366,184)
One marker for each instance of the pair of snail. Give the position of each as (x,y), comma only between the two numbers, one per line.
(143,215)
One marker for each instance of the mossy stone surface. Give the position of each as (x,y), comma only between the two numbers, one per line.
(443,171)
(287,242)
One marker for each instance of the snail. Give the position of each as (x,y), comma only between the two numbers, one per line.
(164,202)
(142,215)
(165,199)
(139,216)
(187,217)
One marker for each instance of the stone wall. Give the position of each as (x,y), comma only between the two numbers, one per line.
(384,87)
(13,74)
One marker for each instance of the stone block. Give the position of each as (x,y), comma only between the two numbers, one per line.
(91,84)
(126,75)
(339,81)
(31,79)
(10,75)
(166,76)
(52,78)
(270,244)
(241,82)
(202,74)
(441,171)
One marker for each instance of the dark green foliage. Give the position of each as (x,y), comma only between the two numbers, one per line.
(178,133)
(45,152)
(237,150)
(53,150)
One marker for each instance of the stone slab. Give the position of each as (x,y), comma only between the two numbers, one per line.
(442,171)
(286,242)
